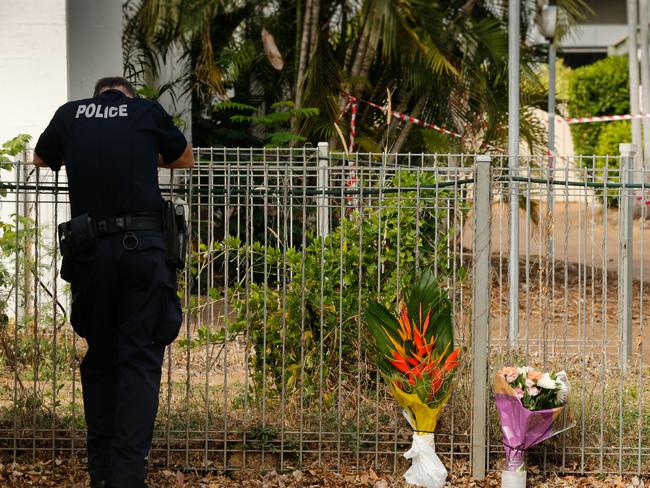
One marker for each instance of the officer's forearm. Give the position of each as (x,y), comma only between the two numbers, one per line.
(38,161)
(185,161)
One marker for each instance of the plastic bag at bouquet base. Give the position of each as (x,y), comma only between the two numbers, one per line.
(426,469)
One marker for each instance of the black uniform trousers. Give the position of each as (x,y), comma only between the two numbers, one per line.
(126,306)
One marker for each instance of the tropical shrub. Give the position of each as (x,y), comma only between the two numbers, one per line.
(601,88)
(16,234)
(303,332)
(611,135)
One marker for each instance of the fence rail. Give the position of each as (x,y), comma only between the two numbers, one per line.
(272,367)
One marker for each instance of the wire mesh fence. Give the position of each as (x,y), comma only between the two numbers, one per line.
(582,295)
(273,367)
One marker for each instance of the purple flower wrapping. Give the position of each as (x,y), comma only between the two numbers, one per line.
(522,428)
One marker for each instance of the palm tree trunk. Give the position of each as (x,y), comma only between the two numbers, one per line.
(362,62)
(352,55)
(315,27)
(304,52)
(368,58)
(403,136)
(393,123)
(358,57)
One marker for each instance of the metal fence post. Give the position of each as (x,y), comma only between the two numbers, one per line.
(322,214)
(625,262)
(480,313)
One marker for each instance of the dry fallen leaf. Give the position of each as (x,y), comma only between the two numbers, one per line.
(180,478)
(271,50)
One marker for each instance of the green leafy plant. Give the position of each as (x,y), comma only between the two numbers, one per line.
(152,93)
(9,150)
(602,88)
(611,135)
(13,235)
(302,333)
(275,125)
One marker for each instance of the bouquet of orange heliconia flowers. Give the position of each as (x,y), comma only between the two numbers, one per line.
(417,358)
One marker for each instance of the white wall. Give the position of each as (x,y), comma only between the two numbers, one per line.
(33,75)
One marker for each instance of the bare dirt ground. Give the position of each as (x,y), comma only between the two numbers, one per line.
(68,475)
(572,306)
(583,233)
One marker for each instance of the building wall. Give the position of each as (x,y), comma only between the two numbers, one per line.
(33,75)
(607,12)
(604,26)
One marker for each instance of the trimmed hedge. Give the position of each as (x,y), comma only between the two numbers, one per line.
(602,88)
(611,135)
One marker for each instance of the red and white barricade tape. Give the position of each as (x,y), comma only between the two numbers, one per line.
(353,124)
(414,120)
(352,178)
(602,118)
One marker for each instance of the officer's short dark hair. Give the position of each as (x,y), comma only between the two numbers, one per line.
(113,82)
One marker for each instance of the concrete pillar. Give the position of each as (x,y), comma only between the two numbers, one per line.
(481,315)
(94,30)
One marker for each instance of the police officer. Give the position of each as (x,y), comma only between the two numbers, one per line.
(123,283)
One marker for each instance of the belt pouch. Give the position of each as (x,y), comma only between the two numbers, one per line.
(77,236)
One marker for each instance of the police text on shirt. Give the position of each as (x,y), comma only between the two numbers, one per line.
(91,110)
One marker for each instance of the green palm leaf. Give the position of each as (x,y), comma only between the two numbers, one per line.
(382,324)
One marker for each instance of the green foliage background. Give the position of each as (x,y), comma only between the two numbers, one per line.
(443,61)
(601,88)
(611,135)
(302,337)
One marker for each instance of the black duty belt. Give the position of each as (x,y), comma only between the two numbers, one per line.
(151,221)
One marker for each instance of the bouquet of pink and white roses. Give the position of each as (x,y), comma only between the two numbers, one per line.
(537,390)
(532,408)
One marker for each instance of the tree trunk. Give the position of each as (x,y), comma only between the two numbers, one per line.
(300,20)
(368,58)
(394,121)
(359,55)
(352,53)
(401,139)
(304,52)
(315,27)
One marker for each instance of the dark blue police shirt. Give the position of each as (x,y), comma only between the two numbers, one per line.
(110,146)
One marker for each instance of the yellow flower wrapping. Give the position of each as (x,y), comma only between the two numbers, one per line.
(423,417)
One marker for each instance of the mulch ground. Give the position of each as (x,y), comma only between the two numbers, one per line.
(69,475)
